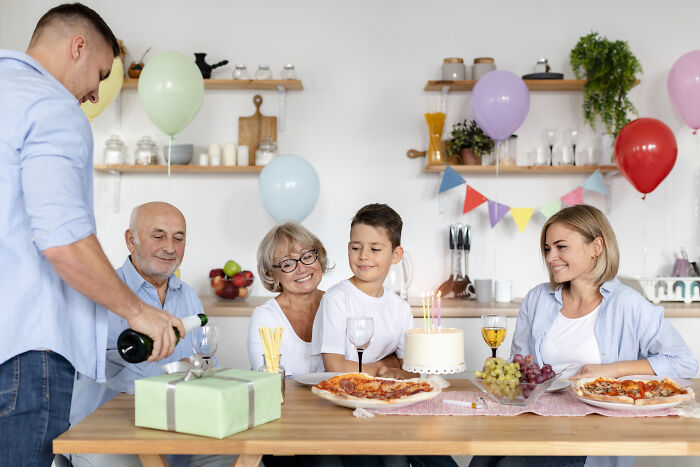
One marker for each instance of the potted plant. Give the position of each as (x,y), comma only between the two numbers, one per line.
(610,68)
(469,141)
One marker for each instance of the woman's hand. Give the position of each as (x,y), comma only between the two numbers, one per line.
(586,371)
(615,370)
(396,373)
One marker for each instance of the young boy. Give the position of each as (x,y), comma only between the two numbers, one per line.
(375,244)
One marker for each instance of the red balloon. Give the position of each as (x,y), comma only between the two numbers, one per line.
(645,151)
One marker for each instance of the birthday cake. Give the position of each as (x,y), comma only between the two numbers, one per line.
(434,350)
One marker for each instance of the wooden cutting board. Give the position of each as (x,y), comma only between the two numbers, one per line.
(251,130)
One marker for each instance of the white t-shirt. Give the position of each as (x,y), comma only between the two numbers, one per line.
(571,341)
(391,315)
(296,354)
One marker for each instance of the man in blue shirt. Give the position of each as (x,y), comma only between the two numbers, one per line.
(156,241)
(52,268)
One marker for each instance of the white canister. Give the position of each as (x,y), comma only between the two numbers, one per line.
(482,65)
(503,291)
(229,154)
(203,159)
(242,156)
(453,69)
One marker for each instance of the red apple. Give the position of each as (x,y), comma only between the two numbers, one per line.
(218,283)
(216,272)
(248,278)
(242,292)
(238,280)
(230,291)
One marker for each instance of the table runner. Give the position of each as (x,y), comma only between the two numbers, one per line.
(549,404)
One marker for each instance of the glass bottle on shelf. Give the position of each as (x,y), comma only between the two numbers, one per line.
(263,72)
(146,151)
(288,72)
(114,151)
(240,72)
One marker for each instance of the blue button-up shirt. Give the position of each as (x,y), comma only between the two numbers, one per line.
(45,201)
(628,328)
(180,301)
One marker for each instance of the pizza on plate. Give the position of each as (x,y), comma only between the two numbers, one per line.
(374,392)
(633,391)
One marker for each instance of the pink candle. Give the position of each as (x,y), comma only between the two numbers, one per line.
(438,300)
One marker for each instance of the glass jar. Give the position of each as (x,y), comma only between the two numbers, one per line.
(280,369)
(146,151)
(542,66)
(114,151)
(267,150)
(263,72)
(482,65)
(288,72)
(240,72)
(453,69)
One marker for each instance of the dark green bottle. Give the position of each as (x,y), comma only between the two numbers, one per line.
(135,347)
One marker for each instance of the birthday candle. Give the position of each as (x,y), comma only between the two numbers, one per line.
(432,310)
(438,303)
(425,319)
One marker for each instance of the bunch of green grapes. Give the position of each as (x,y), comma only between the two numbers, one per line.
(497,369)
(505,389)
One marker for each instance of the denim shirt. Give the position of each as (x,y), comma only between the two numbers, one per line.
(628,328)
(46,200)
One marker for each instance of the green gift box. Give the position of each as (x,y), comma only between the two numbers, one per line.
(219,404)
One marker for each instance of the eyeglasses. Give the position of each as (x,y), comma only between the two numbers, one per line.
(289,265)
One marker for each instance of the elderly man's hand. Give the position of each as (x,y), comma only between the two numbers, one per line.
(158,325)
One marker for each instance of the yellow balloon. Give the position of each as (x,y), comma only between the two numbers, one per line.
(109,89)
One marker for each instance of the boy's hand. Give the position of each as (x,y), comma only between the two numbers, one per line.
(396,373)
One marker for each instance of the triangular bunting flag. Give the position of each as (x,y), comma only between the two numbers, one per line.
(521,216)
(596,183)
(574,197)
(550,208)
(496,212)
(472,199)
(450,179)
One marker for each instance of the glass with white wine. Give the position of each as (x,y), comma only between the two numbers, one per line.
(493,330)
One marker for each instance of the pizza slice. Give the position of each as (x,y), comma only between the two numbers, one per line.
(379,391)
(602,389)
(663,392)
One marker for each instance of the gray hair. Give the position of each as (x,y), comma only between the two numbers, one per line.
(289,232)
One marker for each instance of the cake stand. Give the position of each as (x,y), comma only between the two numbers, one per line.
(432,373)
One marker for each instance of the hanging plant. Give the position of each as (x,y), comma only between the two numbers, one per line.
(611,69)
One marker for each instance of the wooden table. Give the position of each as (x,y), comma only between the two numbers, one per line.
(310,425)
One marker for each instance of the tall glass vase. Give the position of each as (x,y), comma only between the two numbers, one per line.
(436,122)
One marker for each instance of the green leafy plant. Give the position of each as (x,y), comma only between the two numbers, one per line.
(610,68)
(467,134)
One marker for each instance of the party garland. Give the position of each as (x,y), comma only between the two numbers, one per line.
(521,216)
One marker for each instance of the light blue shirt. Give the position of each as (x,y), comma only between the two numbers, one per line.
(628,328)
(45,201)
(180,301)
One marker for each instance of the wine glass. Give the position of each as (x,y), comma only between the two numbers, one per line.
(205,340)
(493,330)
(360,331)
(550,136)
(572,136)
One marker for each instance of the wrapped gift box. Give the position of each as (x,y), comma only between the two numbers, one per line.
(216,405)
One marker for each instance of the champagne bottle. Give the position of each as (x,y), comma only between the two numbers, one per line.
(135,347)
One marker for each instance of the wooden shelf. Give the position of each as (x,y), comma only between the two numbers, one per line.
(520,169)
(260,84)
(532,85)
(123,168)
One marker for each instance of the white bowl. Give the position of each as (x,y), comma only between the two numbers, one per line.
(181,154)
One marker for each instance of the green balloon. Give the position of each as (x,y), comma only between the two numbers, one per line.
(171,89)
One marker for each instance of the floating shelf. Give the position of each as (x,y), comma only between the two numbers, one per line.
(250,84)
(124,168)
(520,169)
(532,85)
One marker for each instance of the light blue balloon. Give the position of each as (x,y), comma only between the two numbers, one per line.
(288,188)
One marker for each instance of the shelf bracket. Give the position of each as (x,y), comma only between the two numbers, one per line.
(283,107)
(117,188)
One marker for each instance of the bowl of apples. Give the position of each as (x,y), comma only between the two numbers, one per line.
(230,282)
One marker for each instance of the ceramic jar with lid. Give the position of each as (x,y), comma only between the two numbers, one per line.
(482,65)
(146,151)
(453,69)
(288,72)
(267,150)
(114,151)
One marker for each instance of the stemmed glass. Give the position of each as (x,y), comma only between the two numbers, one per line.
(572,136)
(493,330)
(360,331)
(550,135)
(205,341)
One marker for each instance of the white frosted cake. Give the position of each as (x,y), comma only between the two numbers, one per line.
(436,350)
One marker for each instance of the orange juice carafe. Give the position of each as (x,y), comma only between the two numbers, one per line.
(436,122)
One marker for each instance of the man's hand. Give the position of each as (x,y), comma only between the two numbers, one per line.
(615,370)
(158,325)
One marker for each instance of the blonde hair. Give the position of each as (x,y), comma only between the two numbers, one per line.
(591,223)
(290,233)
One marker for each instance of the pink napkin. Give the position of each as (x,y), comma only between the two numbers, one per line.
(560,404)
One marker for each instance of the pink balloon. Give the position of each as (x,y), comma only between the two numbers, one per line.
(684,88)
(500,102)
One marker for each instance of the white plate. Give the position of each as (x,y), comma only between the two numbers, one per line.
(626,407)
(558,385)
(378,404)
(680,381)
(312,379)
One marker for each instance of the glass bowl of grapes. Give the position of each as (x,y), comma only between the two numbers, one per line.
(519,382)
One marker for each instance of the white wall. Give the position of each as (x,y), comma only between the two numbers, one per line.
(364,65)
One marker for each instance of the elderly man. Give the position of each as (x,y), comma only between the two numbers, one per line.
(52,268)
(156,242)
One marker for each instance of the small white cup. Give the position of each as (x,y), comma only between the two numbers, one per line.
(242,156)
(484,288)
(504,292)
(204,159)
(229,154)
